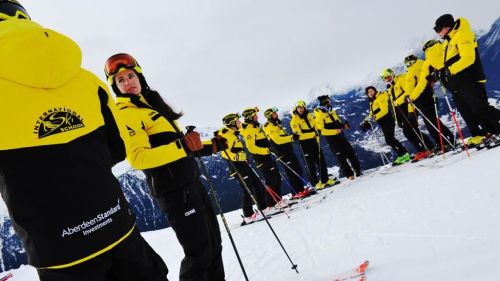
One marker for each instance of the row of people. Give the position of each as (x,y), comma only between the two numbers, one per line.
(457,65)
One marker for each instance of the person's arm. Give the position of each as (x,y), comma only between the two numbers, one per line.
(295,125)
(273,134)
(422,82)
(383,105)
(116,131)
(142,155)
(250,135)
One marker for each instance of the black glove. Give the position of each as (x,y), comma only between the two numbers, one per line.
(365,126)
(444,74)
(295,137)
(408,100)
(219,143)
(433,77)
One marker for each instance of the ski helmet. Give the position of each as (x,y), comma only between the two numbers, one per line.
(429,44)
(249,113)
(410,60)
(12,9)
(443,21)
(269,112)
(323,100)
(230,119)
(119,62)
(386,74)
(300,103)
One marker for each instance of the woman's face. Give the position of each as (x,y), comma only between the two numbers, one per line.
(128,82)
(300,110)
(371,93)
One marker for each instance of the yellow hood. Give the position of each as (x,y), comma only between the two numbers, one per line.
(460,24)
(37,57)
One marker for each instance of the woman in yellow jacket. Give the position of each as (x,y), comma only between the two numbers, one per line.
(379,112)
(165,154)
(463,75)
(60,138)
(302,123)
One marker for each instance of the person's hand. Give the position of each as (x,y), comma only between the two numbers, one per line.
(192,140)
(347,125)
(408,100)
(219,143)
(365,126)
(295,137)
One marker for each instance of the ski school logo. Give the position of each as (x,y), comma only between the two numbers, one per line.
(57,120)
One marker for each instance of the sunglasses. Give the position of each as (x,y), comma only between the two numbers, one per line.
(438,28)
(119,61)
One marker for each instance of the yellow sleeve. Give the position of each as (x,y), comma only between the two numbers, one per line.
(466,45)
(320,118)
(422,82)
(295,124)
(250,143)
(141,155)
(383,104)
(231,140)
(411,81)
(274,135)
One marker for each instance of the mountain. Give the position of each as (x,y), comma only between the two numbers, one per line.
(419,221)
(351,105)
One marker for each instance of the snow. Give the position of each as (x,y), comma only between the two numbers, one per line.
(432,220)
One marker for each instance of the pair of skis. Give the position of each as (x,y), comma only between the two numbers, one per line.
(358,273)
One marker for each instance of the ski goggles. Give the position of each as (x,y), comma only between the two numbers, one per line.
(12,10)
(249,113)
(117,63)
(230,119)
(268,113)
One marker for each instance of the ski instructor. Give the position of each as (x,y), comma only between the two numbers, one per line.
(59,141)
(165,154)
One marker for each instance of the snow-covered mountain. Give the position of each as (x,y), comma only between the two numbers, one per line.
(351,105)
(434,220)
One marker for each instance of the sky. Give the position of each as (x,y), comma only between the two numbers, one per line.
(210,58)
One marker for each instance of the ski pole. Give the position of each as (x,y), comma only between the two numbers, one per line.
(419,136)
(382,154)
(455,120)
(294,266)
(441,136)
(216,200)
(308,184)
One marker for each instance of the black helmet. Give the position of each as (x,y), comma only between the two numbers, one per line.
(249,113)
(230,119)
(445,20)
(410,60)
(11,9)
(429,44)
(323,100)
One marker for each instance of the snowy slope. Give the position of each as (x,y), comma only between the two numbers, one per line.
(433,220)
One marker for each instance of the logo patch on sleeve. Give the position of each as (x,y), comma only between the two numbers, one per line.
(57,120)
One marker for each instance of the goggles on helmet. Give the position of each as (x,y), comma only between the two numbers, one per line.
(268,113)
(300,103)
(117,63)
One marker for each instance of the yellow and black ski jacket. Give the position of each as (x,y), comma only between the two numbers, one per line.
(60,138)
(433,61)
(397,92)
(280,140)
(304,125)
(327,121)
(379,106)
(156,146)
(256,142)
(235,150)
(461,56)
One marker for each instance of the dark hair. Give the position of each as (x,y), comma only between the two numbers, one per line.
(370,87)
(153,98)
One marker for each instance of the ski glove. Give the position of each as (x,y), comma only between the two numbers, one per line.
(365,126)
(444,74)
(295,137)
(192,140)
(219,143)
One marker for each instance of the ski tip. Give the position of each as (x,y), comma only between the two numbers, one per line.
(362,267)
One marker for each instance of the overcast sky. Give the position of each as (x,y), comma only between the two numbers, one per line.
(209,58)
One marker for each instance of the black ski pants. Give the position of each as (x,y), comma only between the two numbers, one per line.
(131,260)
(195,224)
(425,104)
(253,183)
(287,156)
(409,124)
(472,101)
(388,126)
(271,176)
(343,150)
(315,161)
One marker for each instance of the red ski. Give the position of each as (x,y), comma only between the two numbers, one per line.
(6,277)
(358,272)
